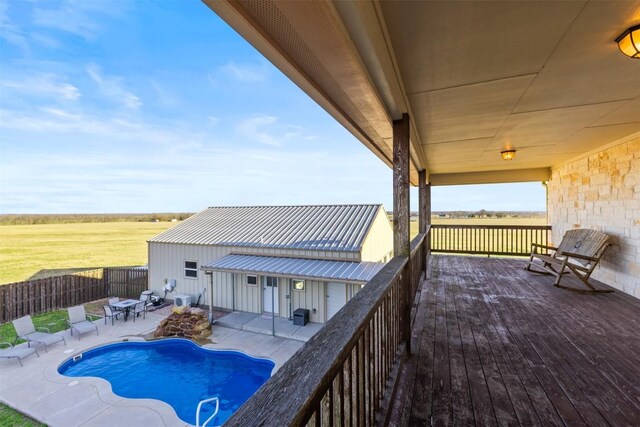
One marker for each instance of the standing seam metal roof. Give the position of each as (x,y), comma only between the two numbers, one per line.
(319,228)
(347,271)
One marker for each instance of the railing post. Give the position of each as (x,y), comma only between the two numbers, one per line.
(424,214)
(401,245)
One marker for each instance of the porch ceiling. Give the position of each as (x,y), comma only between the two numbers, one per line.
(542,77)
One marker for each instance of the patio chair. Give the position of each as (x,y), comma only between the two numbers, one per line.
(79,322)
(110,312)
(145,297)
(114,301)
(139,308)
(579,253)
(25,330)
(16,352)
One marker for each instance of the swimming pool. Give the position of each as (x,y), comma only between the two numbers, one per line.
(176,371)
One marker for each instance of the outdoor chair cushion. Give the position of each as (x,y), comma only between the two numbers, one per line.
(25,330)
(78,321)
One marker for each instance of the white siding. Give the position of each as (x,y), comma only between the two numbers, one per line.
(247,297)
(378,244)
(166,261)
(313,297)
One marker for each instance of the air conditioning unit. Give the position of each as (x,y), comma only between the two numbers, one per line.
(182,301)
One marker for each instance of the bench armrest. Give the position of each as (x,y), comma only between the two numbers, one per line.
(544,246)
(584,257)
(7,343)
(47,330)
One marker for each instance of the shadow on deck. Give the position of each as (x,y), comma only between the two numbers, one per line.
(495,344)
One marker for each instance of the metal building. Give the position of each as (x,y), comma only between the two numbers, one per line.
(273,259)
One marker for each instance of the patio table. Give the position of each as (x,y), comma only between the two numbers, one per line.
(126,306)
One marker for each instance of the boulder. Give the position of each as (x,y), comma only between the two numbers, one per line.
(187,323)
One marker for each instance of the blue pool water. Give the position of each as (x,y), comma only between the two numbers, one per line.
(176,371)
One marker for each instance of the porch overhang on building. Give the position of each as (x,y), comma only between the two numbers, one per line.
(544,78)
(299,268)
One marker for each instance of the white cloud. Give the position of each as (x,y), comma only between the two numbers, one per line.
(52,120)
(42,85)
(267,130)
(253,129)
(79,17)
(111,87)
(248,73)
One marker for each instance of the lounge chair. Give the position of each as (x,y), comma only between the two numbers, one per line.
(579,252)
(16,352)
(25,330)
(110,312)
(79,322)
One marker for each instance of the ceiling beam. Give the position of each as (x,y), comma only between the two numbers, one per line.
(491,177)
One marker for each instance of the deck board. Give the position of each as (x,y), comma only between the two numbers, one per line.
(501,345)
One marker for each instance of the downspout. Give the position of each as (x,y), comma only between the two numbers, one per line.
(273,311)
(233,292)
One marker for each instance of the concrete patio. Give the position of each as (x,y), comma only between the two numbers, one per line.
(37,389)
(262,324)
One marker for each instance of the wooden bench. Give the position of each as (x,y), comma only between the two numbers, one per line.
(578,253)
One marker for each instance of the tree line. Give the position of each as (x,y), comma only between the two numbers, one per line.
(30,219)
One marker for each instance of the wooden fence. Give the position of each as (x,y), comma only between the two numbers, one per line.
(53,293)
(126,282)
(513,240)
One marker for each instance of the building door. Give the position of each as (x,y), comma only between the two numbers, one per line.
(270,295)
(336,298)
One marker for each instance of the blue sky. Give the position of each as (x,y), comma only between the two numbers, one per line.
(158,106)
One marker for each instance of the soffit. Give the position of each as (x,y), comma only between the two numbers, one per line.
(544,78)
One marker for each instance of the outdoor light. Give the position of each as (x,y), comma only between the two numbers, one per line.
(629,42)
(508,154)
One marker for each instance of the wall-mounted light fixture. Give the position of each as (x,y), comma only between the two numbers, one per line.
(508,154)
(629,42)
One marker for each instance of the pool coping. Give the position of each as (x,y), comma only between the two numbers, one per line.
(39,391)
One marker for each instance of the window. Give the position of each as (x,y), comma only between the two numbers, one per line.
(191,269)
(298,285)
(252,280)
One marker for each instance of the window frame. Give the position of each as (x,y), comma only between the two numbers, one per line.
(252,284)
(190,269)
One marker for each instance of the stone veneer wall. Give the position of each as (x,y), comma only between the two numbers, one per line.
(602,192)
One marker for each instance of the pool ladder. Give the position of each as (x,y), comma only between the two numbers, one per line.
(202,402)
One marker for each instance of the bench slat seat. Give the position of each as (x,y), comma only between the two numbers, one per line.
(579,253)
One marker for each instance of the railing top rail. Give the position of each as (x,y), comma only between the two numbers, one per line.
(288,397)
(417,241)
(494,227)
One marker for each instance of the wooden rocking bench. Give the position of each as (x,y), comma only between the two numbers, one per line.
(578,253)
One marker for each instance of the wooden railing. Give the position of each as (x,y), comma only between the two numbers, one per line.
(53,293)
(488,239)
(342,374)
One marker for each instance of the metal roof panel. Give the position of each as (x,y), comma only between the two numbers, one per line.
(314,269)
(318,228)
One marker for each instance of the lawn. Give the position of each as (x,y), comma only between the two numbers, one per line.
(12,418)
(27,250)
(55,321)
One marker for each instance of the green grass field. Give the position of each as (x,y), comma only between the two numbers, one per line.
(34,251)
(27,250)
(480,221)
(11,418)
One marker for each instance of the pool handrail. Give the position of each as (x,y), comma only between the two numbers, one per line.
(214,412)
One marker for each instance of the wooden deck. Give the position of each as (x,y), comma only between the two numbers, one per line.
(495,344)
